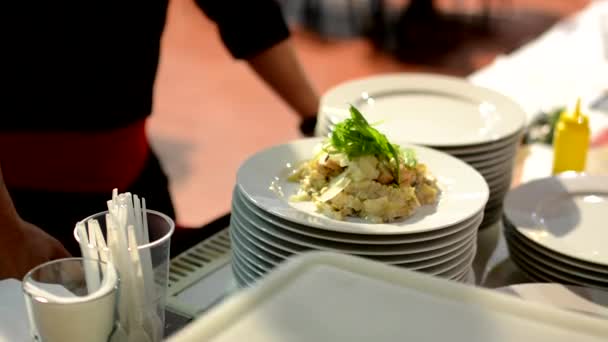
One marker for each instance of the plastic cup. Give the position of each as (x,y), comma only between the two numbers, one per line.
(160,230)
(64,305)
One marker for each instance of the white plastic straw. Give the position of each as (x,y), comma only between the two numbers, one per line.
(127,230)
(120,260)
(138,219)
(100,242)
(91,273)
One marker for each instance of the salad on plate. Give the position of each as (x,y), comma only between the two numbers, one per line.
(357,172)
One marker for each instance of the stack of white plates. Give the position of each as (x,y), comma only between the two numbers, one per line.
(555,229)
(474,124)
(267,228)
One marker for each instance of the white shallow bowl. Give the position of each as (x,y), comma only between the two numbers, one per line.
(566,214)
(263,181)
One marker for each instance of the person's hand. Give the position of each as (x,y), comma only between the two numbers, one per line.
(307,126)
(24,246)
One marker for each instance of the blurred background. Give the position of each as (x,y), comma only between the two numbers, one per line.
(211,113)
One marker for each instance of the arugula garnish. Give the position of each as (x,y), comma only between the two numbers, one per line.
(409,157)
(355,137)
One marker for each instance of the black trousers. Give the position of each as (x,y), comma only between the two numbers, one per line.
(58,212)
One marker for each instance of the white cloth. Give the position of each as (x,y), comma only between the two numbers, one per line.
(562,64)
(14,326)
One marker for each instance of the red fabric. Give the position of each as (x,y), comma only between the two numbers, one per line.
(74,161)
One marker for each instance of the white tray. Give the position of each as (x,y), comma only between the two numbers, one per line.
(329,297)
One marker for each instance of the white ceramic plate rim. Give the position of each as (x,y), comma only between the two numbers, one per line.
(371,250)
(494,156)
(256,216)
(256,252)
(522,218)
(285,253)
(334,102)
(540,271)
(444,262)
(552,264)
(549,254)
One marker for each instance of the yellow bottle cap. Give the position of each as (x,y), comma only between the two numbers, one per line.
(575,116)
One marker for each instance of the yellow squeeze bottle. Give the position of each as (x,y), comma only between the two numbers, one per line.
(571,141)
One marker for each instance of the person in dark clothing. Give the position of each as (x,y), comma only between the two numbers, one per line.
(79,80)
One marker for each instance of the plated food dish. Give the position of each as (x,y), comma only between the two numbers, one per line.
(357,192)
(358,172)
(263,180)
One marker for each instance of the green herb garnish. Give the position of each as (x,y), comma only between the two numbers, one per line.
(409,157)
(355,137)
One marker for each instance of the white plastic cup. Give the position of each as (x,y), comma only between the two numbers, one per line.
(160,230)
(61,306)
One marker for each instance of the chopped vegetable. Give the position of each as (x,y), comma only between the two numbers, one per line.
(360,173)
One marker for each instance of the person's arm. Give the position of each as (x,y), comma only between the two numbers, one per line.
(278,66)
(256,31)
(22,245)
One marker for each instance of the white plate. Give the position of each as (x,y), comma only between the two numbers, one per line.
(491,162)
(412,107)
(547,253)
(464,192)
(275,247)
(259,219)
(485,158)
(575,298)
(495,175)
(484,148)
(239,281)
(505,166)
(566,214)
(553,265)
(449,265)
(267,261)
(541,271)
(243,273)
(491,216)
(508,148)
(263,258)
(465,151)
(450,269)
(500,186)
(300,243)
(250,263)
